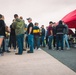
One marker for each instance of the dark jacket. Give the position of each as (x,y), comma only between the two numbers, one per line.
(54,30)
(12,33)
(60,28)
(2,28)
(43,32)
(36,31)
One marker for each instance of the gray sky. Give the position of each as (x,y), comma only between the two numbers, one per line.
(41,11)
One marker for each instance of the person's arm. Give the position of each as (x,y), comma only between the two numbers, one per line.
(13,25)
(51,32)
(6,29)
(67,29)
(56,30)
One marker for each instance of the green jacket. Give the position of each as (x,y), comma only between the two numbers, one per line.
(18,25)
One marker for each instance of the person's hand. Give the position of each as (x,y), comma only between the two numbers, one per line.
(29,34)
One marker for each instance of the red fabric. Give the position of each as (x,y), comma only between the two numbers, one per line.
(70,32)
(70,19)
(49,30)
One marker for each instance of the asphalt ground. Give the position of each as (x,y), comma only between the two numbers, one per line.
(67,57)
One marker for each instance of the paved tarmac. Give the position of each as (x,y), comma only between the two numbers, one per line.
(67,57)
(38,63)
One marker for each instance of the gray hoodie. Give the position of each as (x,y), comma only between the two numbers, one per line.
(66,29)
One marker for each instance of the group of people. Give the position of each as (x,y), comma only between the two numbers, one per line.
(55,36)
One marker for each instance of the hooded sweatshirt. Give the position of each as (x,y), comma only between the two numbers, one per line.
(60,28)
(18,25)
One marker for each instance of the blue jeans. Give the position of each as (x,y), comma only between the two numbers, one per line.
(20,39)
(59,39)
(66,41)
(42,41)
(31,42)
(6,44)
(50,38)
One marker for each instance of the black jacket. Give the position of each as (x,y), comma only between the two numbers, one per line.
(12,33)
(43,32)
(60,29)
(2,28)
(54,30)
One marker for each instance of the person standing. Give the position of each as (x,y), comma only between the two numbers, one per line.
(30,35)
(25,29)
(50,35)
(18,25)
(2,32)
(54,35)
(12,37)
(59,34)
(42,36)
(46,36)
(36,32)
(66,37)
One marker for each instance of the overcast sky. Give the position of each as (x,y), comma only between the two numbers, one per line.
(41,11)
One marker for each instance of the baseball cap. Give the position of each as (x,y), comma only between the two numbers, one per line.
(29,18)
